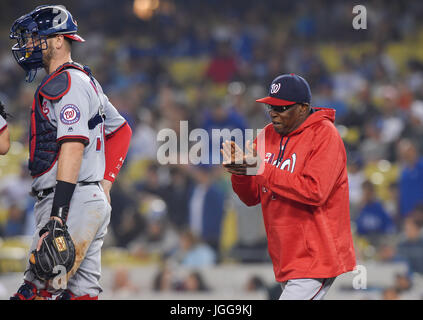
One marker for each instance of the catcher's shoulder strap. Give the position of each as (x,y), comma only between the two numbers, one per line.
(59,83)
(56,86)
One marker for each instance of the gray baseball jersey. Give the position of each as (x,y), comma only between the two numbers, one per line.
(113,118)
(70,115)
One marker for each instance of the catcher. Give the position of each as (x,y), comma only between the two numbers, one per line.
(78,142)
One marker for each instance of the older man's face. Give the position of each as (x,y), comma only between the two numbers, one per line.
(289,120)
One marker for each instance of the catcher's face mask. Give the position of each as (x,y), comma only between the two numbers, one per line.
(30,44)
(32,30)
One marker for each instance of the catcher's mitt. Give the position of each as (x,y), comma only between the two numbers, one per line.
(3,112)
(57,249)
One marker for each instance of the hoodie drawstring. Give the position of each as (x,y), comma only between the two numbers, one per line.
(280,150)
(280,157)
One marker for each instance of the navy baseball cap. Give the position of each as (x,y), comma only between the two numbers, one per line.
(288,89)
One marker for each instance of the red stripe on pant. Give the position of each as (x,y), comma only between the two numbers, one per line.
(321,287)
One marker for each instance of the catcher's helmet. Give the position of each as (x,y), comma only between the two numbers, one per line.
(32,30)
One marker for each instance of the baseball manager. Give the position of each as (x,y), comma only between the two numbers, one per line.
(302,186)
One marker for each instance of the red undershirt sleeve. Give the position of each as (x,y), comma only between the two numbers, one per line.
(116,149)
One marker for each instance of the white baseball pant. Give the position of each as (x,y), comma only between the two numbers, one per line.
(305,289)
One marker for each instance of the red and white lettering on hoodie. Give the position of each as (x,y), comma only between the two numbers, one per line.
(303,191)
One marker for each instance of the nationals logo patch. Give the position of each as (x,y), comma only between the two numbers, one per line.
(274,88)
(70,114)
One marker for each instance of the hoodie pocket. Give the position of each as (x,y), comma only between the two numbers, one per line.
(289,249)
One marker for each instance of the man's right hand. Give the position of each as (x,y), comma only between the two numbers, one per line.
(235,161)
(107,186)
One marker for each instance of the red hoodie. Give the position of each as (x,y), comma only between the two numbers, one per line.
(304,199)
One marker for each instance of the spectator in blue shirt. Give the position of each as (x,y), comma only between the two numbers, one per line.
(221,116)
(192,252)
(411,177)
(206,207)
(373,220)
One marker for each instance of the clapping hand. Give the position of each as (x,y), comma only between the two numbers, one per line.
(236,161)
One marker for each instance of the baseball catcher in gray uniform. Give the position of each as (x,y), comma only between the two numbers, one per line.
(78,142)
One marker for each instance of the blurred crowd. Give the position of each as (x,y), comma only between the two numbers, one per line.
(206,62)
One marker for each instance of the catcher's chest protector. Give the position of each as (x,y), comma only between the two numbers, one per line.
(43,148)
